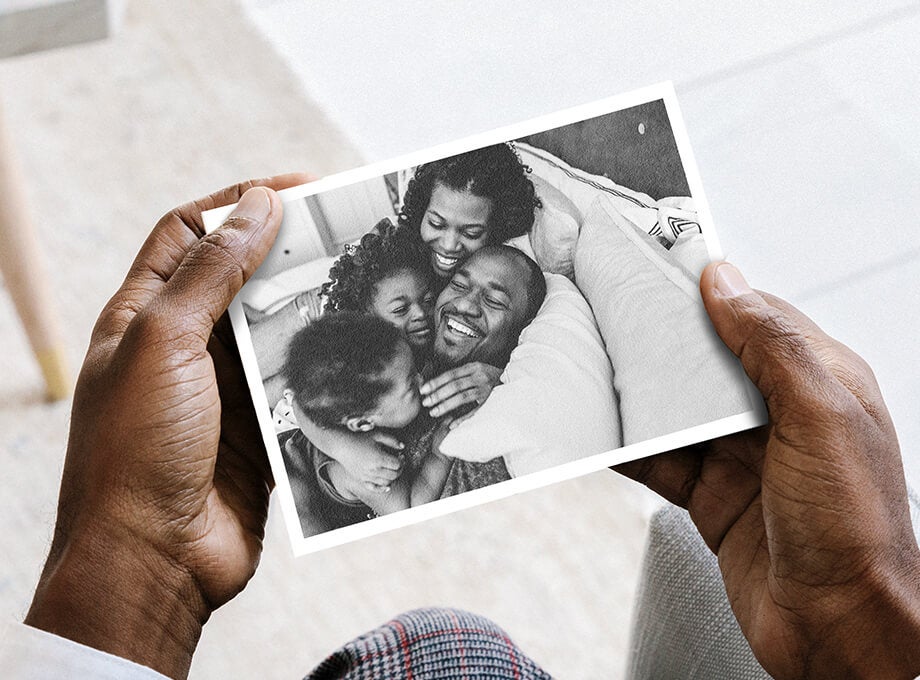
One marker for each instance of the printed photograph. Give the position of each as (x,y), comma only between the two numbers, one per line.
(481,319)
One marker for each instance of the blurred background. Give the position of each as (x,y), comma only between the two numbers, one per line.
(802,119)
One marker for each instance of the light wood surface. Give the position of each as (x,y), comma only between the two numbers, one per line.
(111,136)
(30,26)
(23,266)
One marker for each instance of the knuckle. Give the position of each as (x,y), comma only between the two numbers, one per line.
(221,245)
(774,328)
(854,364)
(154,327)
(151,324)
(188,214)
(219,250)
(116,315)
(775,341)
(235,222)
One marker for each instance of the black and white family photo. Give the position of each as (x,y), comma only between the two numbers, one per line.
(486,316)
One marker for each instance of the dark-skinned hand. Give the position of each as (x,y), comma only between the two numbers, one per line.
(166,484)
(808,515)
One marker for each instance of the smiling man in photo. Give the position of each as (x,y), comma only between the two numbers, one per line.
(489,300)
(478,318)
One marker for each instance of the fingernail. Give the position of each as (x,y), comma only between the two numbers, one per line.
(426,402)
(729,281)
(435,412)
(254,206)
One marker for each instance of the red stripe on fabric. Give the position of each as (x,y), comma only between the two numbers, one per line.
(513,657)
(457,633)
(405,641)
(404,645)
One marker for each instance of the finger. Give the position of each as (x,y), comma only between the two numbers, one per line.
(166,247)
(831,351)
(377,488)
(379,477)
(388,462)
(805,401)
(185,225)
(774,346)
(388,440)
(446,378)
(850,369)
(240,428)
(191,212)
(214,270)
(451,389)
(384,477)
(471,396)
(672,475)
(680,476)
(223,331)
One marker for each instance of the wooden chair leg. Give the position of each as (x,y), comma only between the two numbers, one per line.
(22,266)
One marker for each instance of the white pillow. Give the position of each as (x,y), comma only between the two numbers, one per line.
(580,187)
(556,402)
(671,370)
(689,251)
(555,229)
(522,243)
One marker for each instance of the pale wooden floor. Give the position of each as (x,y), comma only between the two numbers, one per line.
(114,134)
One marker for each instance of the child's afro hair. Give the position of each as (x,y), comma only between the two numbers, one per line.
(334,365)
(383,251)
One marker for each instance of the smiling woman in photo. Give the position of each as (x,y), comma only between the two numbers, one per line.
(462,203)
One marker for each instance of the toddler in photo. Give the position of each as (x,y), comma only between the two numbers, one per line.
(387,274)
(356,373)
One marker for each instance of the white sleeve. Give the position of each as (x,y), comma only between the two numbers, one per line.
(28,653)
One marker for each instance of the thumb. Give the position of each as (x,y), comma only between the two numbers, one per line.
(216,267)
(779,347)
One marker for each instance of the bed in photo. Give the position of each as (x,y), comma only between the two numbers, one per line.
(486,317)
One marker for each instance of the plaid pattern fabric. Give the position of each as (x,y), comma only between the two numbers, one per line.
(431,644)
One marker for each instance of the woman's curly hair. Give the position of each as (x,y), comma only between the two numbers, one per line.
(383,251)
(494,172)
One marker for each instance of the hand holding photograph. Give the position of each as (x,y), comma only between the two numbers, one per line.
(485,317)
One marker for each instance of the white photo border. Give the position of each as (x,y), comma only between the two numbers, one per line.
(303,545)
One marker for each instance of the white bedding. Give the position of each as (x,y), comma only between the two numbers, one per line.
(653,359)
(663,368)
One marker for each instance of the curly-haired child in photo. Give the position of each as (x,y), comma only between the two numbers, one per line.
(357,372)
(387,274)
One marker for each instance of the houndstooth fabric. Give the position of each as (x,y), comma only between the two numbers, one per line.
(431,644)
